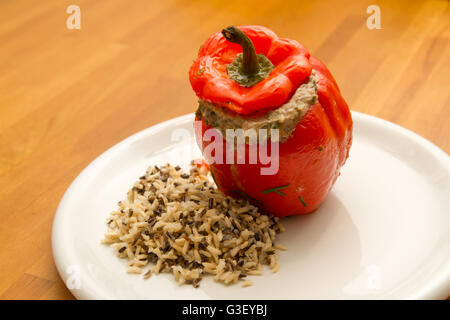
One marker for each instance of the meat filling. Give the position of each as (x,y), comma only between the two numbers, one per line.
(284,118)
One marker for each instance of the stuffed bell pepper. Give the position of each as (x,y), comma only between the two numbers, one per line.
(262,95)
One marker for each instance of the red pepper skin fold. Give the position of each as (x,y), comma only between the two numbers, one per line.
(309,161)
(210,81)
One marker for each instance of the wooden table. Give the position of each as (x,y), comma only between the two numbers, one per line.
(68,95)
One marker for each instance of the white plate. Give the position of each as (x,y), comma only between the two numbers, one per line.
(383,231)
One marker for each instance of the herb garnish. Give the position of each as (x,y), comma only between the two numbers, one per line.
(303,201)
(200,71)
(276,190)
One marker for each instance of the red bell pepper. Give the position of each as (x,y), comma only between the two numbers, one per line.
(210,80)
(311,158)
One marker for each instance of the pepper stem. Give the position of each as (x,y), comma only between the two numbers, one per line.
(250,64)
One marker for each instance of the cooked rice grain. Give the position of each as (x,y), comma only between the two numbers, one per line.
(182,224)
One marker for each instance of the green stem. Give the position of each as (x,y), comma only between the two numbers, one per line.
(250,64)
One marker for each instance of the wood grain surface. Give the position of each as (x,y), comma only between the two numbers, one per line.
(68,95)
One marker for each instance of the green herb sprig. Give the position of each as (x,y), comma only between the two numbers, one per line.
(276,190)
(302,201)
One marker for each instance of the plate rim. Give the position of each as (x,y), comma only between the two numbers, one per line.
(438,288)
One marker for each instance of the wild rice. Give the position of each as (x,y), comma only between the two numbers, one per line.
(180,223)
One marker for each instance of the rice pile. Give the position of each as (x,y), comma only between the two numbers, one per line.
(180,223)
